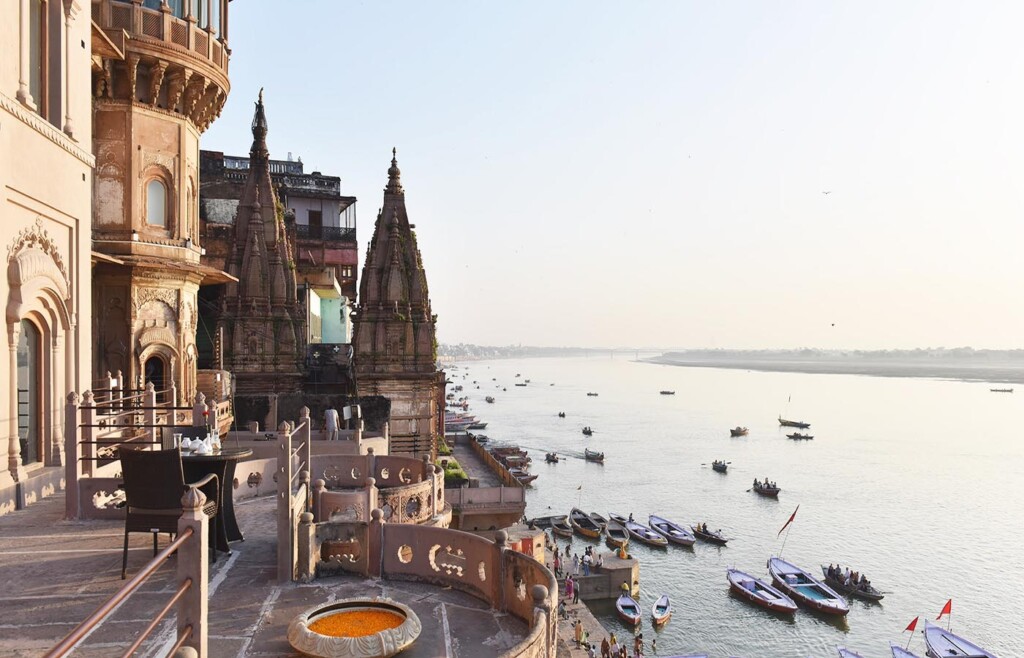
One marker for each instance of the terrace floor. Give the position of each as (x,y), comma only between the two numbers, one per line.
(56,572)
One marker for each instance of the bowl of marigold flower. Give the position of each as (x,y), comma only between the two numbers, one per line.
(355,628)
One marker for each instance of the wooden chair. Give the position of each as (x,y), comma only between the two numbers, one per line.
(154,483)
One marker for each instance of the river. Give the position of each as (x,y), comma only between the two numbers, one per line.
(914,482)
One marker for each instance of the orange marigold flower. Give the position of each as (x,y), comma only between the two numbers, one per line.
(355,623)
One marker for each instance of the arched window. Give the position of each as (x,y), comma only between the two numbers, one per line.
(29,389)
(156,203)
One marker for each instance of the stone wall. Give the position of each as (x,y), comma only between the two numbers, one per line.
(376,409)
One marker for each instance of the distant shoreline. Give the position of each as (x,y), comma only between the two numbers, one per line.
(995,373)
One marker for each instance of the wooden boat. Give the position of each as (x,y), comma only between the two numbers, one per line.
(587,431)
(944,644)
(721,467)
(797,436)
(543,522)
(712,536)
(551,458)
(738,431)
(599,520)
(560,526)
(583,524)
(767,490)
(489,399)
(673,532)
(1001,390)
(868,594)
(805,589)
(642,533)
(524,477)
(668,392)
(758,592)
(591,395)
(628,609)
(846,653)
(661,610)
(521,384)
(618,518)
(900,652)
(794,423)
(561,414)
(479,425)
(617,536)
(593,456)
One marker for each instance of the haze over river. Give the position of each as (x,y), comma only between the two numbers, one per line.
(914,482)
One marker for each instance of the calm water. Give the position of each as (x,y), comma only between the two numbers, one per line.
(915,482)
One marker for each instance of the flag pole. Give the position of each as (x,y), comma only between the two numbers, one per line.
(783,549)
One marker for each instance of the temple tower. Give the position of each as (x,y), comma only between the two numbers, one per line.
(394,330)
(259,316)
(155,91)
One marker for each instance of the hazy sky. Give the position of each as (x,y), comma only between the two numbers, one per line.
(652,173)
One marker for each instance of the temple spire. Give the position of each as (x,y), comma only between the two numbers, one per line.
(259,131)
(394,175)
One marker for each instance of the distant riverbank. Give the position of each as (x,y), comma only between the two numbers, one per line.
(996,372)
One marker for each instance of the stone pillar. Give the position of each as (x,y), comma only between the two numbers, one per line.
(307,548)
(70,12)
(375,543)
(72,457)
(14,467)
(318,491)
(194,565)
(23,94)
(306,437)
(372,492)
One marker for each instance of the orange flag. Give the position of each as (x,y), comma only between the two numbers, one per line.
(946,609)
(912,626)
(792,516)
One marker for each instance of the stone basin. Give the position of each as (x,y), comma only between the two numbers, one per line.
(377,645)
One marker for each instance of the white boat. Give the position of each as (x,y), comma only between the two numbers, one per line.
(900,652)
(846,653)
(944,644)
(805,589)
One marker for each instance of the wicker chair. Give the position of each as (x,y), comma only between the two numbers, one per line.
(154,483)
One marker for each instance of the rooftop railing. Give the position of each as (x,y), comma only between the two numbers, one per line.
(329,233)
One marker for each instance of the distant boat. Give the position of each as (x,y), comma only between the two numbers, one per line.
(489,399)
(805,589)
(522,384)
(793,423)
(758,591)
(868,593)
(846,653)
(478,425)
(560,526)
(738,431)
(797,436)
(712,536)
(591,395)
(1001,390)
(766,489)
(900,652)
(668,392)
(583,524)
(617,536)
(593,456)
(551,458)
(661,611)
(673,532)
(720,466)
(942,643)
(561,414)
(628,609)
(587,431)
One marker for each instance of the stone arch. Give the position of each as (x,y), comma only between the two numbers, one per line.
(158,173)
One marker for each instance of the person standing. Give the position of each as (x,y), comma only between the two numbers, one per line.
(575,592)
(331,423)
(579,633)
(606,650)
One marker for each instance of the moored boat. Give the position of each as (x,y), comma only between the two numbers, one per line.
(642,533)
(720,466)
(599,520)
(805,589)
(661,610)
(583,524)
(945,644)
(868,592)
(758,591)
(618,518)
(738,431)
(560,526)
(846,653)
(628,609)
(766,489)
(478,425)
(797,436)
(668,392)
(712,536)
(616,535)
(900,652)
(542,522)
(524,477)
(793,423)
(673,532)
(593,456)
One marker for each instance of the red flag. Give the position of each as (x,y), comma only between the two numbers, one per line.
(912,626)
(946,609)
(792,516)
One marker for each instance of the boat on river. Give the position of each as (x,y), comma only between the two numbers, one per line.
(551,458)
(524,476)
(720,466)
(673,532)
(521,384)
(766,489)
(478,425)
(591,395)
(593,456)
(617,537)
(543,522)
(712,536)
(805,589)
(738,431)
(587,431)
(758,591)
(797,436)
(489,399)
(846,653)
(561,414)
(1001,390)
(599,520)
(868,593)
(945,644)
(583,524)
(668,392)
(560,526)
(900,652)
(628,609)
(661,610)
(642,533)
(794,423)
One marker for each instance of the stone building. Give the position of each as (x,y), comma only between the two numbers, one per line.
(46,166)
(394,339)
(149,109)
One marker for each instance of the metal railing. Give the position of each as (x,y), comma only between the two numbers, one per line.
(329,233)
(292,504)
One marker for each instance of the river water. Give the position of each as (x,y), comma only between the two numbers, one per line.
(914,482)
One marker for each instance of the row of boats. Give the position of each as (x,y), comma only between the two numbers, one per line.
(620,529)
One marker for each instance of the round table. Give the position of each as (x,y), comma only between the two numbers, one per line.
(222,464)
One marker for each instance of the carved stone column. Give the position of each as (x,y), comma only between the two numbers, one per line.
(14,466)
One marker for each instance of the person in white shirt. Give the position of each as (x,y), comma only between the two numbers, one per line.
(331,418)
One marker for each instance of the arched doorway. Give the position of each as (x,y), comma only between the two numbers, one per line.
(155,370)
(29,391)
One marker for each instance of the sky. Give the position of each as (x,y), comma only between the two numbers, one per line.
(669,173)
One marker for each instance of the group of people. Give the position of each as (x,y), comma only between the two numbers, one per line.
(766,483)
(590,561)
(610,646)
(853,579)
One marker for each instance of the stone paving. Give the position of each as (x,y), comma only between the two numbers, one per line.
(472,463)
(54,573)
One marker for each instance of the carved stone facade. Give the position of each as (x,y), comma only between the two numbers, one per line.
(151,102)
(394,330)
(259,317)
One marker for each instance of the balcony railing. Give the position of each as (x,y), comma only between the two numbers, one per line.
(331,233)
